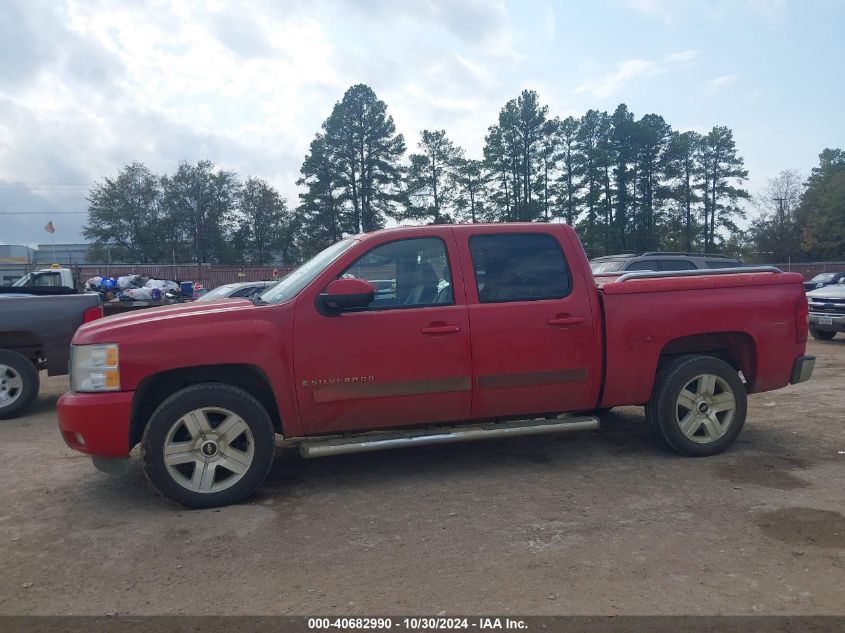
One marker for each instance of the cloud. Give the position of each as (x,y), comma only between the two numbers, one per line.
(722,80)
(89,85)
(632,69)
(671,12)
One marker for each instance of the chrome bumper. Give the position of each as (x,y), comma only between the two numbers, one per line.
(802,369)
(837,321)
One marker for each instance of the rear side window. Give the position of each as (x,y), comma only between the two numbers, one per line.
(676,264)
(723,263)
(519,267)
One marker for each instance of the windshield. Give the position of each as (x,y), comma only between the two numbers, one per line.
(607,266)
(220,292)
(823,277)
(23,281)
(305,274)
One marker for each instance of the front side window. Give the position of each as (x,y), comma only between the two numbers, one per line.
(406,273)
(642,265)
(519,267)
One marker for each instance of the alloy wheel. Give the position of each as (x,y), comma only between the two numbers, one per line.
(208,449)
(706,408)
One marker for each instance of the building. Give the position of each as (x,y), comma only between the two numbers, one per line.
(65,255)
(15,262)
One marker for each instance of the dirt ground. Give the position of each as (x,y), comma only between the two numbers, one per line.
(592,523)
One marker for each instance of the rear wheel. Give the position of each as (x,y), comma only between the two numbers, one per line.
(208,445)
(19,383)
(698,405)
(821,335)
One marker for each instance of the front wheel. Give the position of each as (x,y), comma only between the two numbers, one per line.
(821,335)
(698,405)
(208,445)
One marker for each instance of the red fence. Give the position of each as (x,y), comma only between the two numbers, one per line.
(209,275)
(811,269)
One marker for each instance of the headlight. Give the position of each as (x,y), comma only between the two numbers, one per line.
(94,368)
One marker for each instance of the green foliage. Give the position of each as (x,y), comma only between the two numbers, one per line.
(821,213)
(431,180)
(624,183)
(197,214)
(124,214)
(364,151)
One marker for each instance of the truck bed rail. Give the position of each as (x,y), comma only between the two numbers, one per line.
(700,272)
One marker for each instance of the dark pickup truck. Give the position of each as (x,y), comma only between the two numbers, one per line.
(35,334)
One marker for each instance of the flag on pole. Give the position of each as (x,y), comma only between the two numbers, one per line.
(49,228)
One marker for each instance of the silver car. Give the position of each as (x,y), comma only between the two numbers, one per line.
(827,311)
(242,290)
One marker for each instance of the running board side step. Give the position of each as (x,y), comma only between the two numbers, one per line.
(377,441)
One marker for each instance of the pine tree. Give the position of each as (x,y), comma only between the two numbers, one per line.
(430,180)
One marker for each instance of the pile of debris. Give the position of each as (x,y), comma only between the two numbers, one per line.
(139,288)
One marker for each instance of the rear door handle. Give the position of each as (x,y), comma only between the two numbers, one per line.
(562,321)
(441,329)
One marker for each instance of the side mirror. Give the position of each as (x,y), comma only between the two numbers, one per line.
(342,295)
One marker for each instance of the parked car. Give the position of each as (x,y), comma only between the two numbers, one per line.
(242,290)
(492,331)
(824,279)
(827,311)
(35,333)
(656,261)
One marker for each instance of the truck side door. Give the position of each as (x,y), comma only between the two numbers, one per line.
(533,341)
(403,360)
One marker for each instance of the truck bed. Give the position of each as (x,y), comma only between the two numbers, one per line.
(750,317)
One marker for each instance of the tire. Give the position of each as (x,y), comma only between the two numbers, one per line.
(206,467)
(821,335)
(19,383)
(698,405)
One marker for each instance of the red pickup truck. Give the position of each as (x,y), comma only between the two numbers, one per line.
(428,335)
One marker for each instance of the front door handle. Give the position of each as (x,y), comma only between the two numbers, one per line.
(565,321)
(441,329)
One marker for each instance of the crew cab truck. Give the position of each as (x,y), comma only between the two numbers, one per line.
(487,331)
(35,334)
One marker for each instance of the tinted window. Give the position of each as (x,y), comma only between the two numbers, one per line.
(244,292)
(406,273)
(676,264)
(518,267)
(606,266)
(643,264)
(723,263)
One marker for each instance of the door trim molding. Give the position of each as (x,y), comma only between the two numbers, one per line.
(528,379)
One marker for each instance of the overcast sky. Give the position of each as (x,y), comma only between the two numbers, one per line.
(87,86)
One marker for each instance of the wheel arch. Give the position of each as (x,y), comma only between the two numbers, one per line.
(738,349)
(156,388)
(27,344)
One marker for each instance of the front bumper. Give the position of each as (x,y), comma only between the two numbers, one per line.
(837,321)
(802,369)
(96,423)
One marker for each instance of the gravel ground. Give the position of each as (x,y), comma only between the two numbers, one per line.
(592,523)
